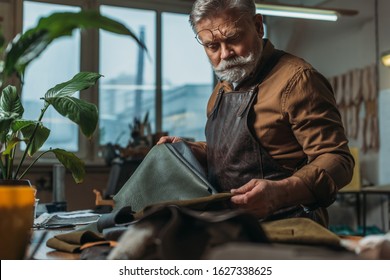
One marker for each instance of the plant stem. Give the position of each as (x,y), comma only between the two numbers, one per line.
(8,166)
(31,140)
(3,170)
(11,162)
(32,164)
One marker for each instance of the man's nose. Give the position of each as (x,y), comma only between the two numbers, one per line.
(226,51)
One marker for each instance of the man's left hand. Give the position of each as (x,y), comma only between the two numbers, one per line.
(264,197)
(258,196)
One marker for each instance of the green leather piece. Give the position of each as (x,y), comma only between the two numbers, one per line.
(168,172)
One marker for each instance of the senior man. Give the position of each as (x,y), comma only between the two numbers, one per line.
(274,136)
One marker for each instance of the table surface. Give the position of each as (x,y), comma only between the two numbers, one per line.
(385,189)
(382,189)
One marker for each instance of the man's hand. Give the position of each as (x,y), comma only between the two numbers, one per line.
(197,148)
(169,139)
(258,196)
(264,197)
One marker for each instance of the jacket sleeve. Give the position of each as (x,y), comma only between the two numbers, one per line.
(316,122)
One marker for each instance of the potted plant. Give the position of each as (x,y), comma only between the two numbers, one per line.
(18,54)
(14,58)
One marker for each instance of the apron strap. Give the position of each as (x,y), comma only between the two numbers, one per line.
(270,64)
(217,102)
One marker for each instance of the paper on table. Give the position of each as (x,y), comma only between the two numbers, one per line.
(80,217)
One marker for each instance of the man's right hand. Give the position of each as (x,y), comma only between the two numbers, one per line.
(197,148)
(169,139)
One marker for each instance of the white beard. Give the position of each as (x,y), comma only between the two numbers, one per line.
(237,68)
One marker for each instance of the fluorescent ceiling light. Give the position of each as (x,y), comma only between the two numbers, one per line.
(386,59)
(301,12)
(295,14)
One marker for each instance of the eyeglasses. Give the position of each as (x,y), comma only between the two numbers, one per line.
(207,38)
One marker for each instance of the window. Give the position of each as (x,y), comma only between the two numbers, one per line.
(187,79)
(128,88)
(170,83)
(58,63)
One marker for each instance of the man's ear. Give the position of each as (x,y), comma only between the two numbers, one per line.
(258,19)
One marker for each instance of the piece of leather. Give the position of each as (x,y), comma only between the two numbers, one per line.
(116,217)
(99,252)
(212,202)
(168,172)
(72,241)
(174,232)
(114,233)
(125,216)
(300,231)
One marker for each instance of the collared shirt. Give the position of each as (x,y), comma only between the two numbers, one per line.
(297,121)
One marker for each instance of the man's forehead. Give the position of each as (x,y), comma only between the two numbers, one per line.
(217,21)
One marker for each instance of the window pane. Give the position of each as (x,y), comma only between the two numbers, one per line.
(127,90)
(187,79)
(57,64)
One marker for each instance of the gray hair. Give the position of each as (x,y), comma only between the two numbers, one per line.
(205,8)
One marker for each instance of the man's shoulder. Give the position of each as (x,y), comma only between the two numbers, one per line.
(290,62)
(292,70)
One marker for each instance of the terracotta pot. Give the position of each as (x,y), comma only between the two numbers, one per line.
(17,199)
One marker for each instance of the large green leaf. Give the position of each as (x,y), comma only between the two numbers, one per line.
(18,125)
(78,111)
(34,41)
(60,24)
(11,144)
(23,49)
(10,109)
(79,82)
(72,163)
(41,135)
(5,124)
(14,125)
(10,102)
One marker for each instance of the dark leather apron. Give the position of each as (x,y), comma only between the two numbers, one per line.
(234,156)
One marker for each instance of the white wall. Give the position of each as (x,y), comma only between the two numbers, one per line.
(331,47)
